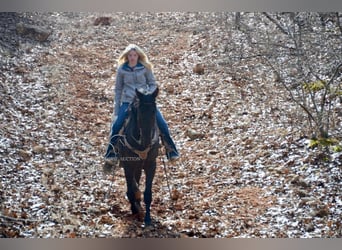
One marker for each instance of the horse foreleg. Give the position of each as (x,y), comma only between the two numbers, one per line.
(150,170)
(132,189)
(137,181)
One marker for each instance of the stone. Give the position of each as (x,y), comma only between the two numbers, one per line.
(102,21)
(297,180)
(193,134)
(40,34)
(39,149)
(322,212)
(175,195)
(302,193)
(310,227)
(198,69)
(24,154)
(169,88)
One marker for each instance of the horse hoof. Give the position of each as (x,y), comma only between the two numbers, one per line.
(138,217)
(148,222)
(137,211)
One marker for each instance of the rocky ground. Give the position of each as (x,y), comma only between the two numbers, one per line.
(245,170)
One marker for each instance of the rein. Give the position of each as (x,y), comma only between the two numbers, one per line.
(141,153)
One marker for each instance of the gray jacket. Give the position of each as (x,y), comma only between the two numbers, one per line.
(128,79)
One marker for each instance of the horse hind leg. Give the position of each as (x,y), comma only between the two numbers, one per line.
(138,194)
(138,211)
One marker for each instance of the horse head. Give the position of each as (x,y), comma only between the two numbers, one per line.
(146,115)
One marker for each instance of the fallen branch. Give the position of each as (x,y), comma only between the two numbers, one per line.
(19,219)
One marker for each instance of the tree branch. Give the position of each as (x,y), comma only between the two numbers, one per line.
(281,28)
(335,73)
(303,106)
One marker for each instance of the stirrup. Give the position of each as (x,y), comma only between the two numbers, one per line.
(110,165)
(112,160)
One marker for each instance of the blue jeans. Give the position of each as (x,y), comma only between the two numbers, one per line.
(117,125)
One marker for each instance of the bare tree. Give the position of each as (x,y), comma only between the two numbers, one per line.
(304,50)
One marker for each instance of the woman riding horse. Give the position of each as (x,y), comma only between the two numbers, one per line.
(138,148)
(135,94)
(134,72)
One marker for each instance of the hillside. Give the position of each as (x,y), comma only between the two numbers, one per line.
(249,174)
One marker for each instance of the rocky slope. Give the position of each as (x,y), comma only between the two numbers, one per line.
(245,169)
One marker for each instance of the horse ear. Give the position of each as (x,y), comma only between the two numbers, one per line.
(155,92)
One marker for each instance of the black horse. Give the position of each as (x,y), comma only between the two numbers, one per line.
(138,149)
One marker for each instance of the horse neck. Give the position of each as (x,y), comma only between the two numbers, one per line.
(132,126)
(141,134)
(147,127)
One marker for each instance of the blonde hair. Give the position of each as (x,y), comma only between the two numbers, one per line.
(143,59)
